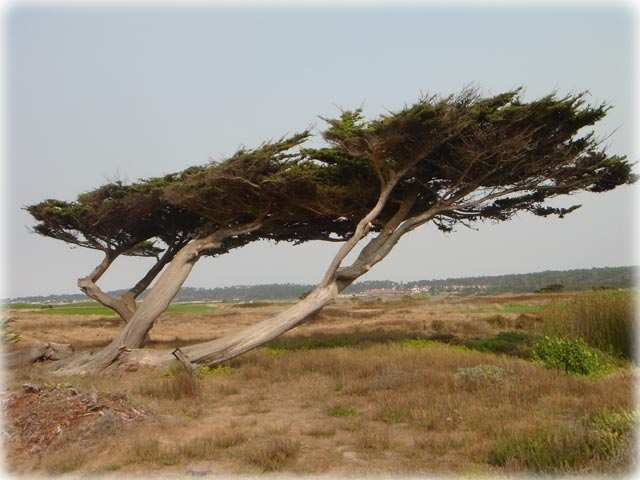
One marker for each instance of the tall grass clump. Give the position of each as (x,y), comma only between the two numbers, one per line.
(177,384)
(603,319)
(602,442)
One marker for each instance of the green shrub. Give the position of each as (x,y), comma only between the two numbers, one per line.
(570,355)
(604,319)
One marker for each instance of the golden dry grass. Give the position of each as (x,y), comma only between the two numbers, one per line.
(344,394)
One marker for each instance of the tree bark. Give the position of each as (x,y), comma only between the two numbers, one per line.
(35,352)
(89,287)
(167,286)
(125,306)
(230,346)
(223,349)
(155,303)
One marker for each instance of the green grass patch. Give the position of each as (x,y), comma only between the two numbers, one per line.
(417,343)
(342,411)
(77,310)
(356,340)
(253,304)
(274,351)
(22,306)
(88,308)
(428,343)
(510,343)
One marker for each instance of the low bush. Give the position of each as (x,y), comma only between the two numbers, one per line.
(570,355)
(479,375)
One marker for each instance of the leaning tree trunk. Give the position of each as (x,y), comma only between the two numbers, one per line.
(217,351)
(335,280)
(133,335)
(226,348)
(89,287)
(125,305)
(155,303)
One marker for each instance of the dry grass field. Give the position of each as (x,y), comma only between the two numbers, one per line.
(409,386)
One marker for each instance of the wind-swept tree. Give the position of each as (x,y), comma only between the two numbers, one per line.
(271,192)
(119,220)
(450,161)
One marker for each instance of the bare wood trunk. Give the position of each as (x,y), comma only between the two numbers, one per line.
(35,352)
(156,302)
(334,281)
(133,335)
(89,287)
(220,350)
(125,305)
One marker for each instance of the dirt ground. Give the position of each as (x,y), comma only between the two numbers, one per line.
(358,390)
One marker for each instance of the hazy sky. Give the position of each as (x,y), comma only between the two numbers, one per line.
(95,94)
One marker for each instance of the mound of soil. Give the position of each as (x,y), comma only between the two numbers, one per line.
(39,418)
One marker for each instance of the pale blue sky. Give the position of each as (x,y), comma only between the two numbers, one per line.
(98,93)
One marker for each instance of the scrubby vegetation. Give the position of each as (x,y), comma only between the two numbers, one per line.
(603,438)
(603,319)
(509,342)
(420,386)
(178,383)
(570,355)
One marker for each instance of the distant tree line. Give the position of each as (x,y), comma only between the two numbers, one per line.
(570,280)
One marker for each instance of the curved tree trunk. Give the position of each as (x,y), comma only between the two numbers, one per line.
(220,350)
(336,280)
(125,305)
(167,286)
(36,351)
(156,302)
(89,287)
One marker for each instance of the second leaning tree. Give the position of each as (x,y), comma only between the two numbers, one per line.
(448,161)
